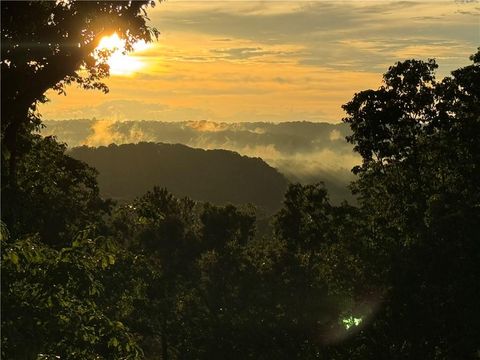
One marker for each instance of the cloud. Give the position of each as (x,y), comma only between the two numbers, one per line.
(103,133)
(207,126)
(321,145)
(324,31)
(274,61)
(245,53)
(304,152)
(122,110)
(335,135)
(266,23)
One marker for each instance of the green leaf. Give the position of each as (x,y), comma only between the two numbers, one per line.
(14,258)
(113,342)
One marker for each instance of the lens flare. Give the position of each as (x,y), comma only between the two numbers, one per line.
(120,63)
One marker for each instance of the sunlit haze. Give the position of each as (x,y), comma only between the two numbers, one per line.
(122,63)
(269,61)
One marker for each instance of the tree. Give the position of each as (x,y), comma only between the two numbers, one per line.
(162,230)
(326,280)
(212,290)
(52,301)
(54,270)
(48,45)
(418,190)
(56,195)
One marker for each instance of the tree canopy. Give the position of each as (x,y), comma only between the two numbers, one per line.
(48,45)
(418,188)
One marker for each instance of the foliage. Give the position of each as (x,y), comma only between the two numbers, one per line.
(50,302)
(51,285)
(215,290)
(56,196)
(179,240)
(325,275)
(418,188)
(48,45)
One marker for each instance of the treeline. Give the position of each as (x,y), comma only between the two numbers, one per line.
(395,277)
(164,277)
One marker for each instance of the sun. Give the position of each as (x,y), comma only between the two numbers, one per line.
(122,64)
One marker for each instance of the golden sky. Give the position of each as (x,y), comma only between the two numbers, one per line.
(275,61)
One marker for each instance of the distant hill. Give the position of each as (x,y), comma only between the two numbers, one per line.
(268,139)
(303,151)
(218,176)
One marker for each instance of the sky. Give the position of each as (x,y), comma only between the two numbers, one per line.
(236,61)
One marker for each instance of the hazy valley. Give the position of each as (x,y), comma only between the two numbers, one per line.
(304,152)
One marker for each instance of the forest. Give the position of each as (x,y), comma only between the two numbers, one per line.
(393,276)
(221,177)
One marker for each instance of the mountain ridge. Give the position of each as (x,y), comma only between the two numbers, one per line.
(217,176)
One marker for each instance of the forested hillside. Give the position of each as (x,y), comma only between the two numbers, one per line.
(303,151)
(217,176)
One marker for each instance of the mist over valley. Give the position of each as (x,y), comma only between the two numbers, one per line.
(304,152)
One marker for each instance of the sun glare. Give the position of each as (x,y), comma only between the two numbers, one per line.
(120,63)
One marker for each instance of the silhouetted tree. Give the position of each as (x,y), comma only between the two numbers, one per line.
(418,190)
(45,44)
(325,277)
(52,295)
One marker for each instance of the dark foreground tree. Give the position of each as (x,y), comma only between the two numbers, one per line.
(52,301)
(419,192)
(51,295)
(50,44)
(216,291)
(56,196)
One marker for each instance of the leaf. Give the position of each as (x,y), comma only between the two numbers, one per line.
(113,342)
(14,258)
